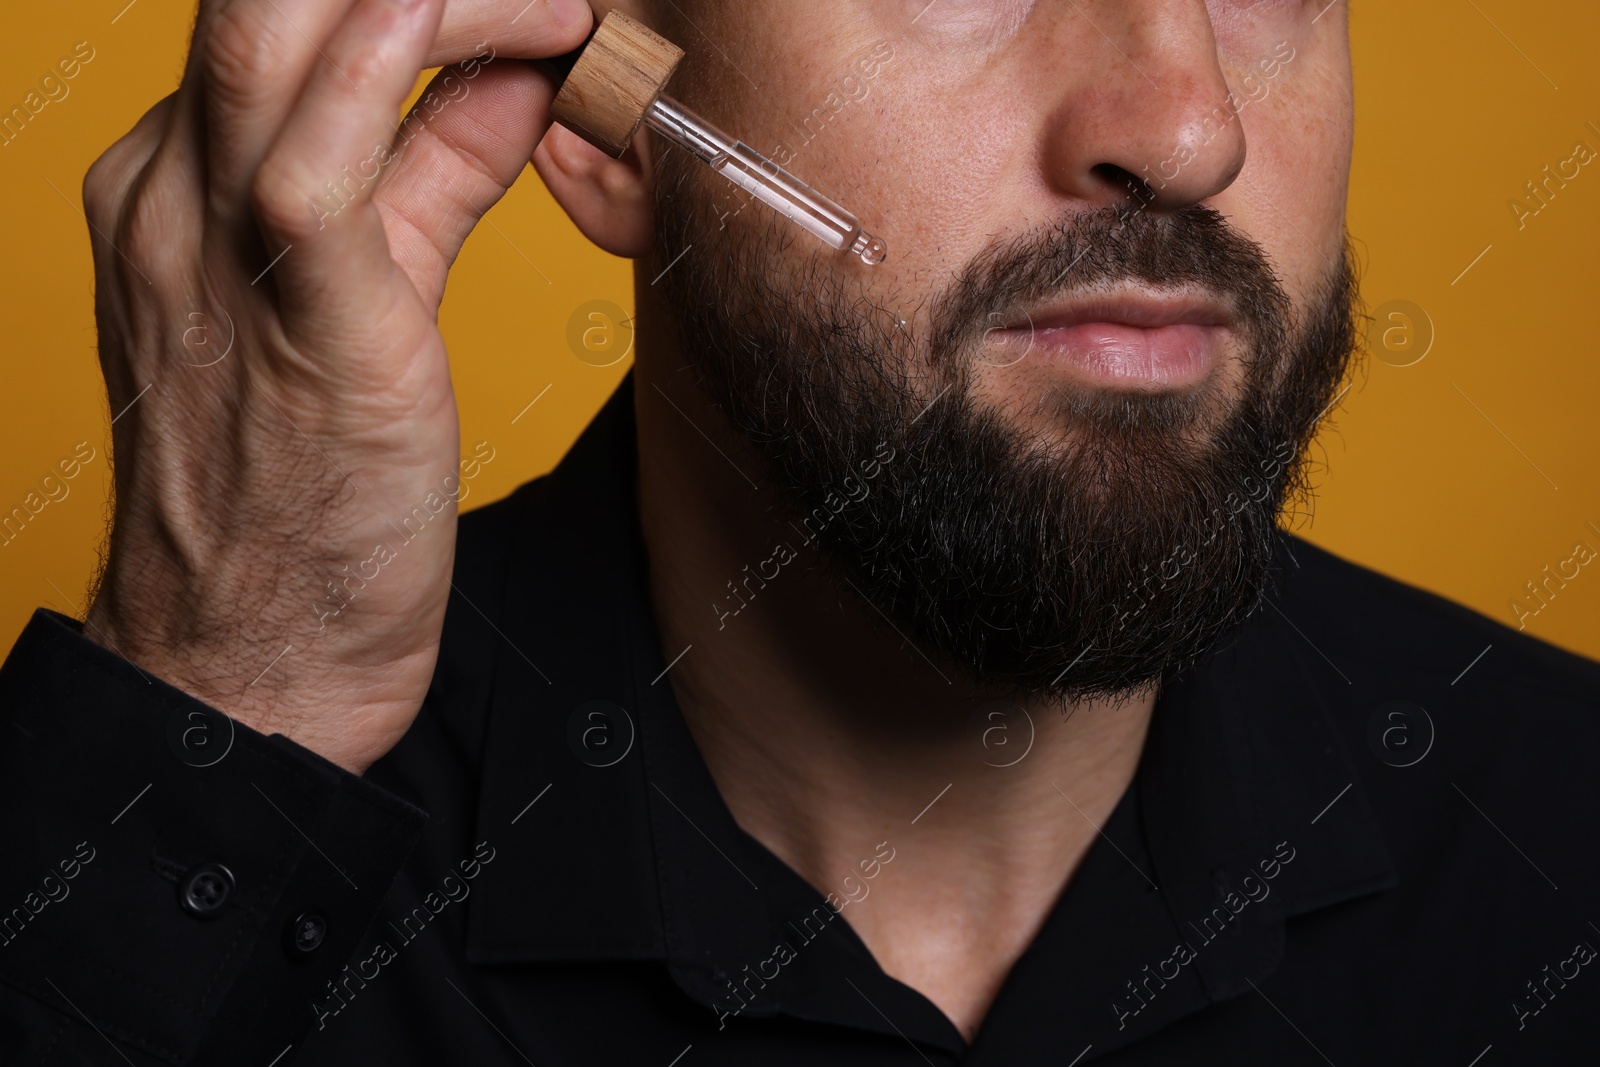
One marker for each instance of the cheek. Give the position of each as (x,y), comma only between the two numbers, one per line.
(924,157)
(1291,194)
(1244,25)
(961,175)
(956,22)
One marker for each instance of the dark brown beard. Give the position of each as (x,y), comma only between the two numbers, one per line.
(1088,562)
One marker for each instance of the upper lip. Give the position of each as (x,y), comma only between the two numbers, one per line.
(1146,309)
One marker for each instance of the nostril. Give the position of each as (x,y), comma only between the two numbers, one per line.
(1134,188)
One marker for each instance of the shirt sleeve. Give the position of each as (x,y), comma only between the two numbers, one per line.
(172,883)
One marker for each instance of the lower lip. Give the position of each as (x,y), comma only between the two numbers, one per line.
(1109,353)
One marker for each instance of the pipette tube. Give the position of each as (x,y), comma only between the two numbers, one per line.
(764,179)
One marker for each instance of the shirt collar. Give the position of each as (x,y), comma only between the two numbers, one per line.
(1240,779)
(625,850)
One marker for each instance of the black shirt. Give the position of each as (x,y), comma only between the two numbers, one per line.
(1362,831)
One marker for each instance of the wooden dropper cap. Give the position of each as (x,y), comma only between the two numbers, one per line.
(612,81)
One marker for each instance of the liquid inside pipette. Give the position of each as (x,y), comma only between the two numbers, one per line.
(764,179)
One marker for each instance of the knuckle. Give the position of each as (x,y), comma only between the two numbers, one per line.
(365,71)
(279,198)
(242,53)
(150,219)
(146,220)
(106,182)
(102,189)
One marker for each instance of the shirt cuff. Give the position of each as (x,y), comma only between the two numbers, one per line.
(185,884)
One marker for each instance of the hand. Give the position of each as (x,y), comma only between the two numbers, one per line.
(269,260)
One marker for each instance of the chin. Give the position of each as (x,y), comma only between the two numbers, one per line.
(1055,411)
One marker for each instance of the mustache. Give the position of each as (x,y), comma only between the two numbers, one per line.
(1102,247)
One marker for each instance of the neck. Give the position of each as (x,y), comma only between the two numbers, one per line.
(835,742)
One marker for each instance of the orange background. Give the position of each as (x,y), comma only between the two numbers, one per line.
(1466,472)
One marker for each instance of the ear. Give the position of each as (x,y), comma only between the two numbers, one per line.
(608,199)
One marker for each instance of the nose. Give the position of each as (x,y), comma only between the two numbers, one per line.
(1147,110)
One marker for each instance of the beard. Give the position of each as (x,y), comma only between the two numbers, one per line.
(1105,548)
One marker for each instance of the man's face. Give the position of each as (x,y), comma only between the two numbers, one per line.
(1116,301)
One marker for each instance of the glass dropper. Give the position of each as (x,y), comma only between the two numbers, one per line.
(607,93)
(764,179)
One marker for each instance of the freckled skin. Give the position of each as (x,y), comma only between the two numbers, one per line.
(993,118)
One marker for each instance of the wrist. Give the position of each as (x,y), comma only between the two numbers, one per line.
(255,685)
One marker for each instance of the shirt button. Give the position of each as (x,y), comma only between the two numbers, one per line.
(306,932)
(203,891)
